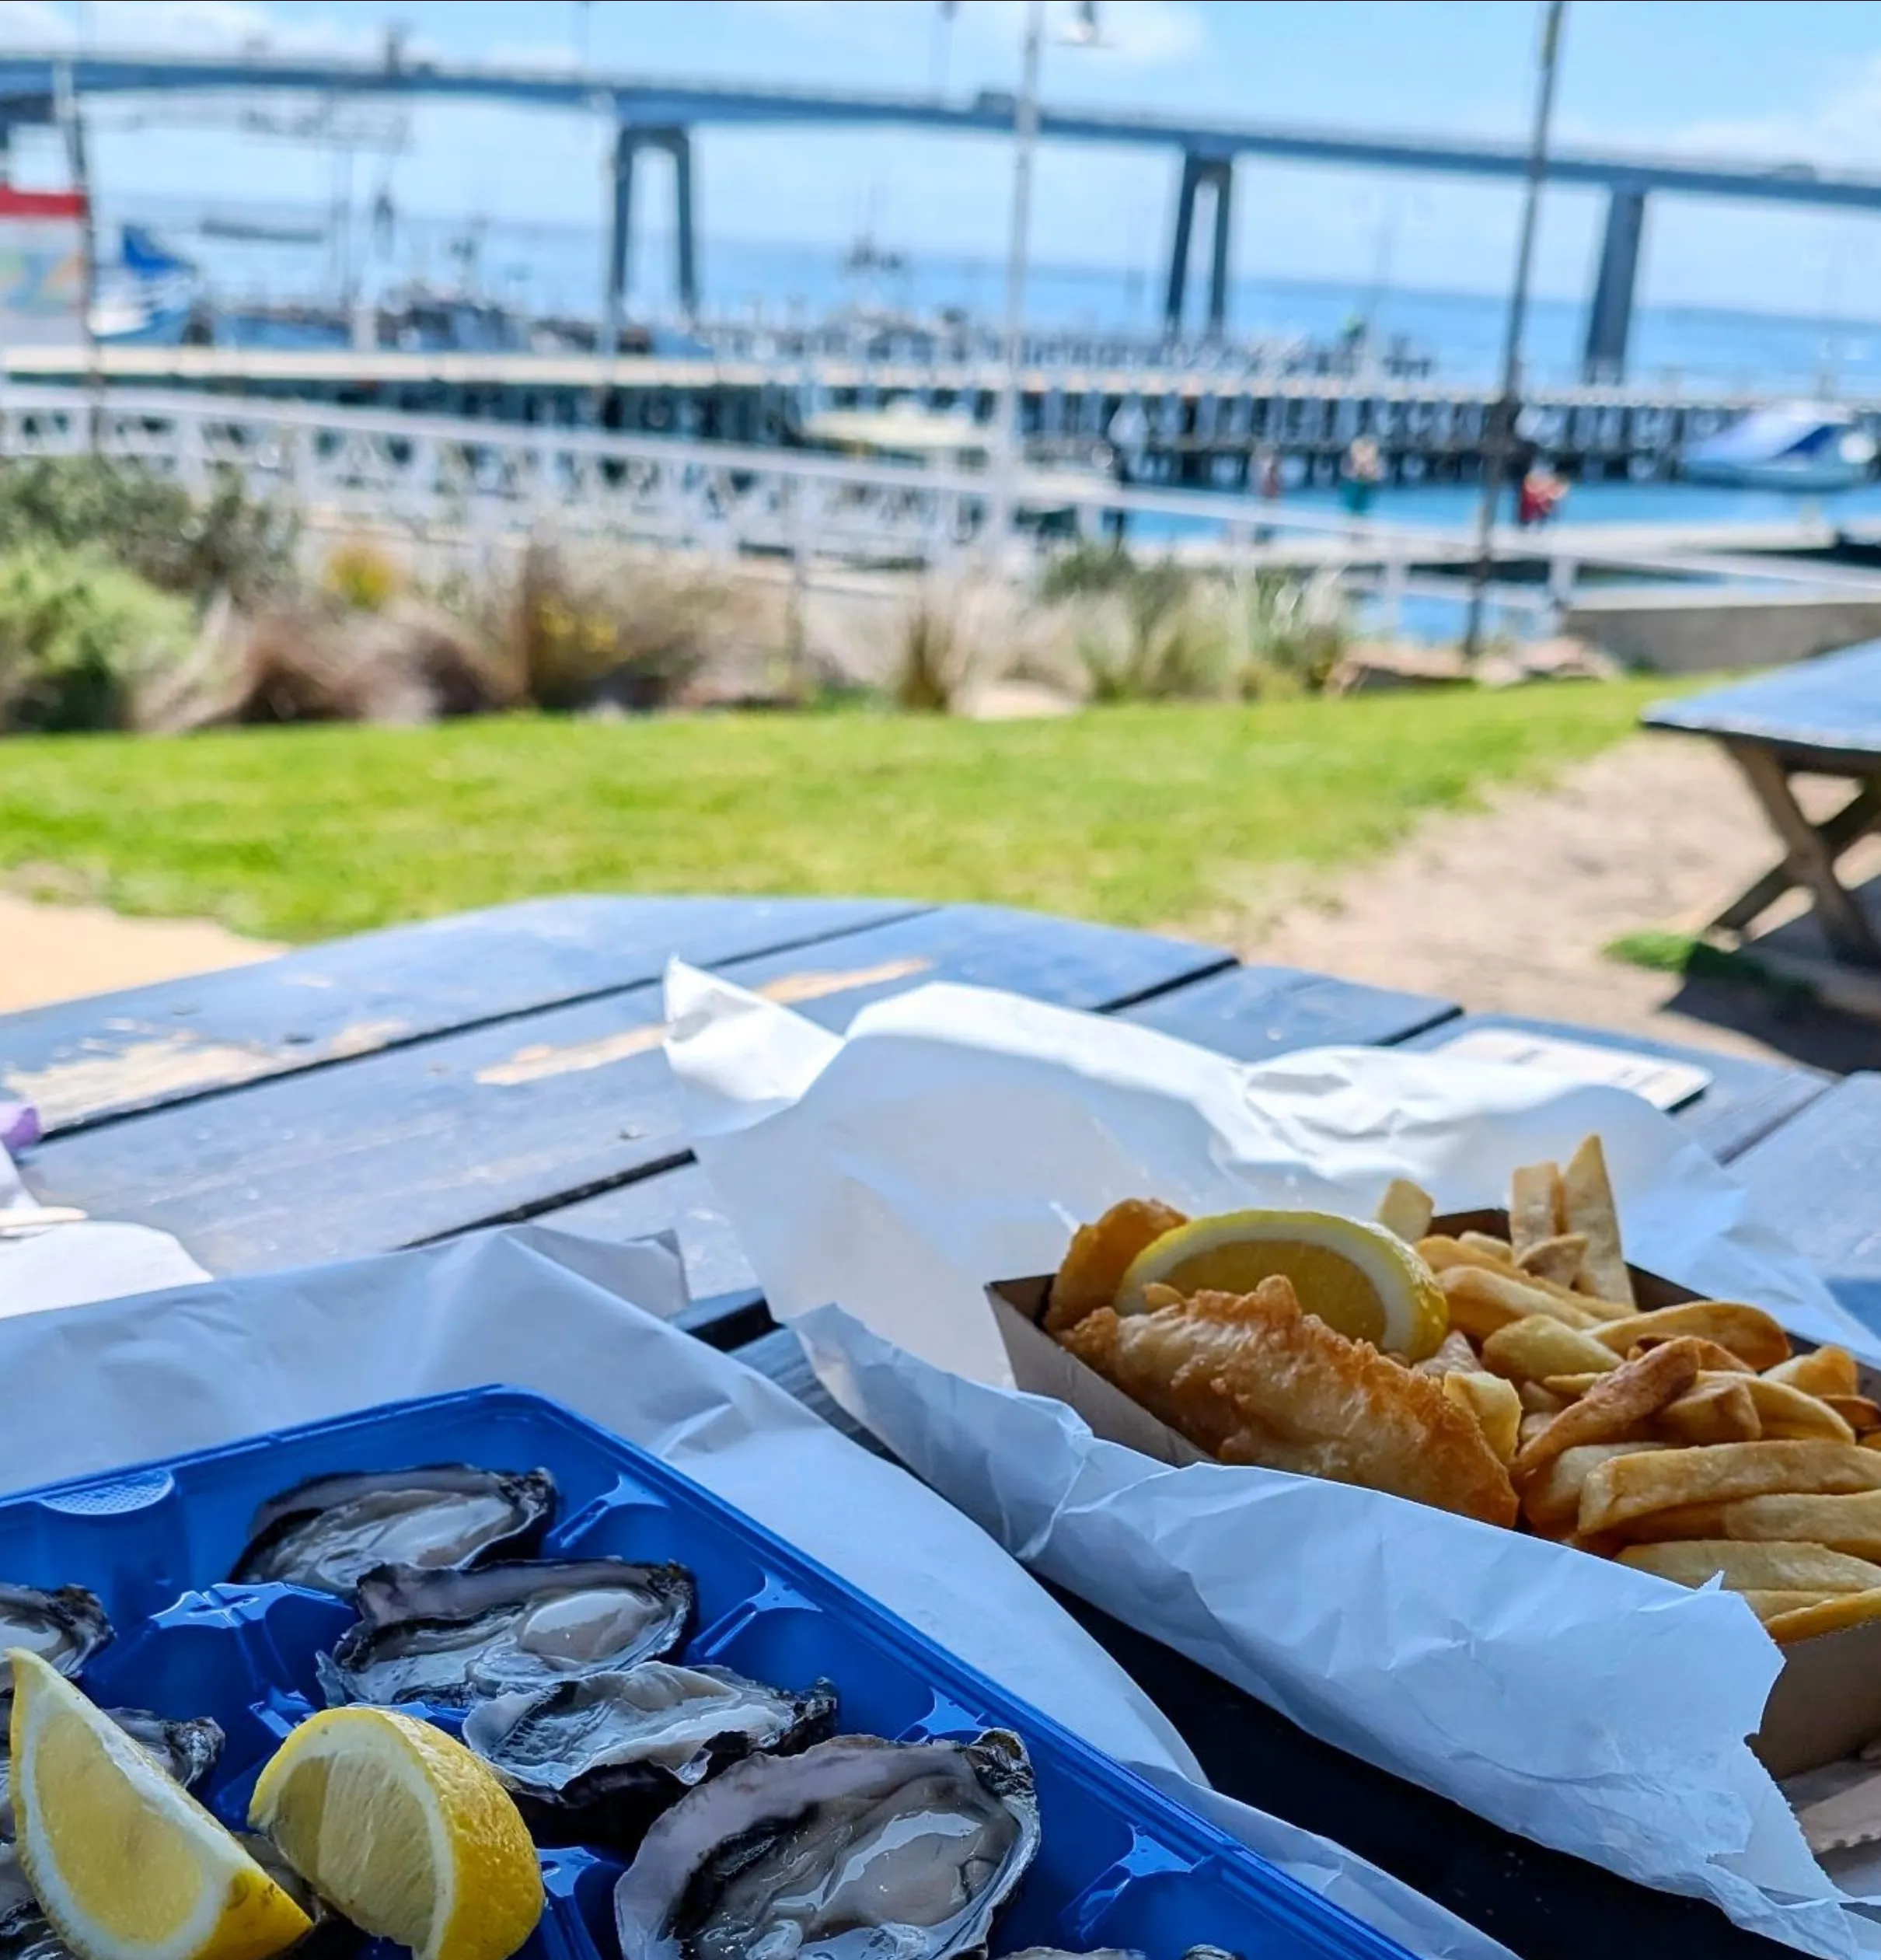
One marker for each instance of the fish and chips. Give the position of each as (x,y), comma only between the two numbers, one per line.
(1520,1381)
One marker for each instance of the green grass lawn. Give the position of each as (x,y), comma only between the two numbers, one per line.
(1144,816)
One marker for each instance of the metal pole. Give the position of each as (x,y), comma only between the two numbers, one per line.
(1025,129)
(66,102)
(1503,415)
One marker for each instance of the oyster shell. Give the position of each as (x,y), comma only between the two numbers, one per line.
(857,1849)
(454,1638)
(65,1627)
(187,1751)
(597,1757)
(1086,1953)
(327,1533)
(24,1933)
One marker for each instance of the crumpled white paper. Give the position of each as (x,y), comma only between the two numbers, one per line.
(126,1380)
(64,1264)
(877,1182)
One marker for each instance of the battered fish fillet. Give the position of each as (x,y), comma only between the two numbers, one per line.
(1100,1254)
(1253,1380)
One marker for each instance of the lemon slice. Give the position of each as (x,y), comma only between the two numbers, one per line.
(123,1862)
(1359,1278)
(404,1829)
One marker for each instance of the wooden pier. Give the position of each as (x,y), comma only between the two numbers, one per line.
(1176,426)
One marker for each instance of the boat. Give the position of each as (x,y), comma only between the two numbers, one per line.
(247,230)
(148,296)
(1799,445)
(1062,473)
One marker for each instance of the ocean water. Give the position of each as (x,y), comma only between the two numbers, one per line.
(551,268)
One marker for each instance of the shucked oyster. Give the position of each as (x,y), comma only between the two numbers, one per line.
(453,1638)
(327,1533)
(598,1756)
(185,1751)
(24,1933)
(64,1628)
(857,1849)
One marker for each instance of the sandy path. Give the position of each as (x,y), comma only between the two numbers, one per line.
(54,953)
(1507,909)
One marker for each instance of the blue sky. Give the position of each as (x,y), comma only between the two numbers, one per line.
(1742,78)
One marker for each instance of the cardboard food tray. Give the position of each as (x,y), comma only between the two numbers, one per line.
(1827,1701)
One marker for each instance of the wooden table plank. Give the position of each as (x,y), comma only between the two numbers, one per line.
(1746,1101)
(83,1060)
(535,1112)
(1252,1013)
(1829,709)
(1816,1177)
(1065,961)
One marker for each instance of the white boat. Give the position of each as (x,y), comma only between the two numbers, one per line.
(1801,445)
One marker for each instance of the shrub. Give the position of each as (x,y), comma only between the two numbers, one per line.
(362,576)
(1298,629)
(226,541)
(314,661)
(935,658)
(79,636)
(629,630)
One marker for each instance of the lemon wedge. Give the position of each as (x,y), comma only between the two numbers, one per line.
(1360,1279)
(404,1829)
(125,1864)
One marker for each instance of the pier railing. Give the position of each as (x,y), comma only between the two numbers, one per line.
(459,488)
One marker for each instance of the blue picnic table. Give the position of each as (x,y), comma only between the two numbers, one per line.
(413,1084)
(1820,718)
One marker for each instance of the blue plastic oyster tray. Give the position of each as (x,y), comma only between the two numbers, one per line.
(1120,1864)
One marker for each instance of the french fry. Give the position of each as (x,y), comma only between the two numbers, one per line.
(1788,1411)
(1406,1210)
(1767,1605)
(1498,1252)
(1557,1259)
(1851,1524)
(1532,1425)
(1859,1412)
(1538,1401)
(1551,1499)
(1719,1409)
(1772,1567)
(1748,1332)
(1493,1403)
(1443,1255)
(1534,1205)
(1587,1207)
(1629,1487)
(1453,1352)
(1826,1616)
(1482,1301)
(1615,1405)
(1538,1345)
(1824,1370)
(1712,1359)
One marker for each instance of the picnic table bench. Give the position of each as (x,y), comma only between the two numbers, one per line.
(1820,717)
(413,1084)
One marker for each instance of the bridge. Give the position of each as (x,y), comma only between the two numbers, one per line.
(660,115)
